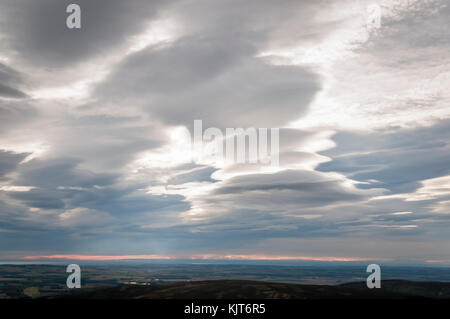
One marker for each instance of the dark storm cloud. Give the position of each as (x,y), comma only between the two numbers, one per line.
(398,160)
(37,29)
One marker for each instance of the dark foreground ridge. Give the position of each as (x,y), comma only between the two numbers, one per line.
(241,289)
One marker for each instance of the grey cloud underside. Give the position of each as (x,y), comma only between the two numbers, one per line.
(264,205)
(214,81)
(397,160)
(11,92)
(105,143)
(37,29)
(9,80)
(15,111)
(9,162)
(60,172)
(211,71)
(9,75)
(114,209)
(307,188)
(61,184)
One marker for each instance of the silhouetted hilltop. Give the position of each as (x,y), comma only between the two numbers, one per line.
(430,289)
(239,289)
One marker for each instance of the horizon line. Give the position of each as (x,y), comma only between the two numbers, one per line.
(231,257)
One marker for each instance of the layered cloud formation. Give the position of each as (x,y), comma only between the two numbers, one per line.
(95,154)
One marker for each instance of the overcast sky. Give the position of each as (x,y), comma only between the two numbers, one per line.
(95,122)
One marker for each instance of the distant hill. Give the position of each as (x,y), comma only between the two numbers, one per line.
(241,289)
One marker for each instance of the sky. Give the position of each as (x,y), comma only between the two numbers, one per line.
(95,124)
